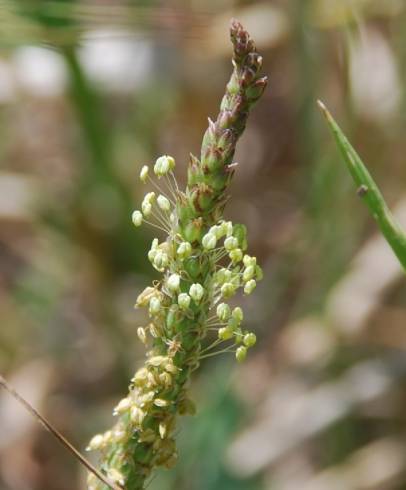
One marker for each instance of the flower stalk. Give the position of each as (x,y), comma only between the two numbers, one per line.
(203,262)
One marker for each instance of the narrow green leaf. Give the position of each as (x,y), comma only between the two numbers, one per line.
(368,191)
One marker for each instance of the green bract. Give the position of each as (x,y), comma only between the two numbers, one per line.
(202,264)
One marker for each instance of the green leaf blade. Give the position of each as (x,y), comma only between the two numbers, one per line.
(368,190)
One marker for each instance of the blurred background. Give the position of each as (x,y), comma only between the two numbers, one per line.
(92,90)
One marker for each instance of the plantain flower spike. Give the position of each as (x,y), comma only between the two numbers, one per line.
(203,262)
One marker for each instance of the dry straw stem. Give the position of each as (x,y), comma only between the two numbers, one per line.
(14,393)
(368,191)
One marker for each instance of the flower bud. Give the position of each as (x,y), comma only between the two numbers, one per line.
(223,312)
(241,353)
(248,260)
(157,360)
(142,334)
(226,119)
(227,290)
(144,298)
(153,251)
(172,316)
(150,197)
(230,243)
(233,324)
(154,306)
(155,330)
(255,91)
(250,339)
(118,436)
(163,165)
(215,230)
(225,333)
(235,255)
(184,301)
(144,173)
(184,250)
(146,208)
(173,282)
(209,241)
(152,255)
(122,406)
(173,218)
(250,286)
(160,402)
(140,376)
(137,218)
(161,261)
(248,273)
(162,430)
(107,436)
(223,275)
(163,203)
(238,314)
(228,228)
(196,292)
(137,415)
(166,379)
(147,397)
(170,367)
(95,443)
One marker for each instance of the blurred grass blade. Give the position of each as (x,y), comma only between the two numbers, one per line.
(369,191)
